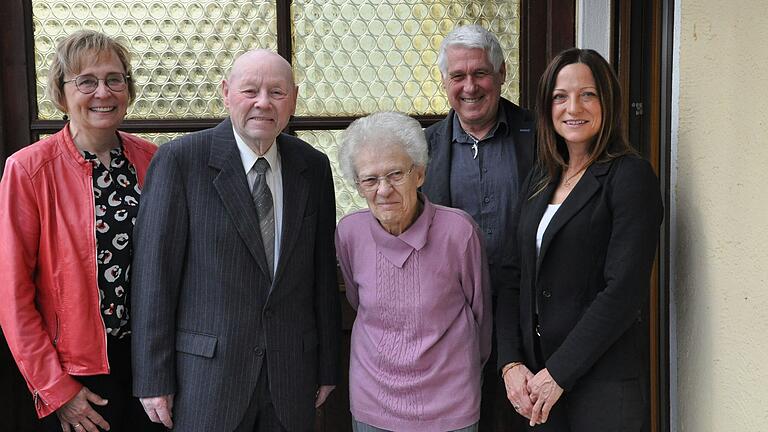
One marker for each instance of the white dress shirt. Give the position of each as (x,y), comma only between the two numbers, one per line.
(546,218)
(274,181)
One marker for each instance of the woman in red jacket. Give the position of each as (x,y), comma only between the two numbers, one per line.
(68,204)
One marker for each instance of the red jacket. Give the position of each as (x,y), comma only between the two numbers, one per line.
(50,306)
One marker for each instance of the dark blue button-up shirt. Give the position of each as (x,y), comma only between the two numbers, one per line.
(486,186)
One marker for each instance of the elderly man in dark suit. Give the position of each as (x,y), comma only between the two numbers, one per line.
(236,321)
(479,156)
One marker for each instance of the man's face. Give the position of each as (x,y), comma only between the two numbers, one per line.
(260,97)
(473,88)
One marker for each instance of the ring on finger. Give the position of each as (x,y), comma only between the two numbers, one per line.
(516,407)
(77,425)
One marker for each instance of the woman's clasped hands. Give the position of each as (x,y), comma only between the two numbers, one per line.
(532,396)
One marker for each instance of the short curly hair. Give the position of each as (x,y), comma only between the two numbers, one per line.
(382,129)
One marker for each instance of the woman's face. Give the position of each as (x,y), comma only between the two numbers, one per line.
(576,111)
(394,206)
(104,108)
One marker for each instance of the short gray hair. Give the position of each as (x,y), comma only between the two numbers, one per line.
(76,51)
(471,36)
(382,129)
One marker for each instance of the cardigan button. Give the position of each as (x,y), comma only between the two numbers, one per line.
(546,294)
(259,351)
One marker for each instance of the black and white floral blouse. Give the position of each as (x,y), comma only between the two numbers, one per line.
(116,195)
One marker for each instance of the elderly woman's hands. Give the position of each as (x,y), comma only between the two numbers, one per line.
(544,393)
(77,415)
(516,382)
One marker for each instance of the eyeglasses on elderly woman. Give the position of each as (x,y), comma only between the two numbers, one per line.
(88,84)
(395,178)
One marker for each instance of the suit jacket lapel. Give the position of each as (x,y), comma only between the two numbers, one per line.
(576,200)
(295,194)
(231,184)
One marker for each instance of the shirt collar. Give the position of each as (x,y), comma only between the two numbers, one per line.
(249,157)
(397,249)
(501,126)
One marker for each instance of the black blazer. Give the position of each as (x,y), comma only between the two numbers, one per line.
(203,317)
(437,183)
(590,280)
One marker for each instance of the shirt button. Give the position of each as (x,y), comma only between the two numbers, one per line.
(487,200)
(546,294)
(259,351)
(485,170)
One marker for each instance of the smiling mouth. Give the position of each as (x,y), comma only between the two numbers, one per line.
(103,109)
(267,119)
(471,100)
(575,122)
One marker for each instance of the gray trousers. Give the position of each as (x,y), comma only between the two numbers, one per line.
(363,427)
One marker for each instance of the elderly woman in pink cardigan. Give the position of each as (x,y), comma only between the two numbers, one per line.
(417,275)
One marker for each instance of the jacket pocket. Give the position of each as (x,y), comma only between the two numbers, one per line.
(199,344)
(57,332)
(309,340)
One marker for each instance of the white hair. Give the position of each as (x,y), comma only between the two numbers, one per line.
(382,129)
(471,36)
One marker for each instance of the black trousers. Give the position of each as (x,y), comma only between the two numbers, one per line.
(260,415)
(17,411)
(124,412)
(610,406)
(595,405)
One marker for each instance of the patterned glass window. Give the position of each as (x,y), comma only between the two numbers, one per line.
(357,57)
(159,138)
(347,198)
(181,49)
(351,57)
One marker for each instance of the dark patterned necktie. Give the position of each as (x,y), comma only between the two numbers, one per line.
(262,197)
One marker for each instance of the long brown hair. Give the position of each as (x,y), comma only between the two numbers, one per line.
(610,142)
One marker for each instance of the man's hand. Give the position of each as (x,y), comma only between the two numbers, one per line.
(516,383)
(77,415)
(322,394)
(159,409)
(545,392)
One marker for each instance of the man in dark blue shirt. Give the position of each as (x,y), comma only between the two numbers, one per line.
(479,156)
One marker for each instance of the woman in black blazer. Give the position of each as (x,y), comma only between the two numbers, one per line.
(570,337)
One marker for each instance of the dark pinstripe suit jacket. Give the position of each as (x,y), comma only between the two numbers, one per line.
(203,317)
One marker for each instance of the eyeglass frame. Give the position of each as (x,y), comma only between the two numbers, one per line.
(385,177)
(74,80)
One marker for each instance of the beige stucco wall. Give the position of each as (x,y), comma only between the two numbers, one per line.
(721,228)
